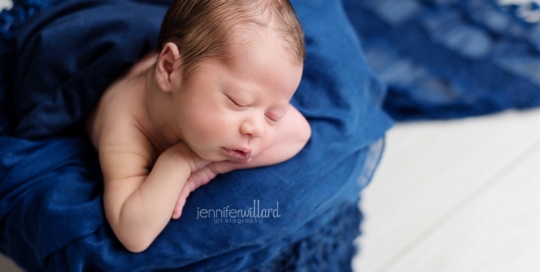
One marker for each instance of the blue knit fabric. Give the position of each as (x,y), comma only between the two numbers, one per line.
(10,21)
(447,59)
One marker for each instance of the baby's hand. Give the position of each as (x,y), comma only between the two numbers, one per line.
(200,178)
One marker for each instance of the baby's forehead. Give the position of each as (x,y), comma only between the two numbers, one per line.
(265,38)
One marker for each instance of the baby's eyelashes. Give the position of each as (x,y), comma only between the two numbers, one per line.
(275,115)
(270,120)
(236,103)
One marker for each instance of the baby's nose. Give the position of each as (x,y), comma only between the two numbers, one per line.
(253,128)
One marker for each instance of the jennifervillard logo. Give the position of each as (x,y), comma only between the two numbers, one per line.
(251,215)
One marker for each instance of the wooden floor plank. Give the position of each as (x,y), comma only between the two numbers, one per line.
(497,231)
(420,181)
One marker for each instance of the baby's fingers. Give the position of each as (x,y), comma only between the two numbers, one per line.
(201,177)
(181,201)
(198,179)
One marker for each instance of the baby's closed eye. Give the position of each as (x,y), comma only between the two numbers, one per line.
(234,102)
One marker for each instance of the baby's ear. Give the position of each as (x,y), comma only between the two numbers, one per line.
(168,74)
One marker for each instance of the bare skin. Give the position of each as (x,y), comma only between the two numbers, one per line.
(160,135)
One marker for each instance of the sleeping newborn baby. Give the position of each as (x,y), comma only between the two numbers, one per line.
(215,98)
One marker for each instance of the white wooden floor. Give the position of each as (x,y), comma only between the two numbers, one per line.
(456,196)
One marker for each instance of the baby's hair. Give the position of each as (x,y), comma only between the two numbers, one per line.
(202,28)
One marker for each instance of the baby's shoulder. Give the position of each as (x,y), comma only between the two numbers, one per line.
(113,126)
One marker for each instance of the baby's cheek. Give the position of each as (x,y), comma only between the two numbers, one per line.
(213,127)
(268,138)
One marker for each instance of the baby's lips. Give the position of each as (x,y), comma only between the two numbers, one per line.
(238,154)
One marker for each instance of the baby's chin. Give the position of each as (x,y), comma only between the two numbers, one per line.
(246,160)
(211,156)
(223,157)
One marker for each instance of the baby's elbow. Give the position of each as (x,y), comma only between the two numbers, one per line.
(305,132)
(133,239)
(135,244)
(136,248)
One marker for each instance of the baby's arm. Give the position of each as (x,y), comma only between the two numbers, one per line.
(138,203)
(292,134)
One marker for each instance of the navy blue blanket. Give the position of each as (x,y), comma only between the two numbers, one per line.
(302,213)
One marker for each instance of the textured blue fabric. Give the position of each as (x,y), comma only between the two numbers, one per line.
(51,215)
(446,59)
(104,41)
(10,21)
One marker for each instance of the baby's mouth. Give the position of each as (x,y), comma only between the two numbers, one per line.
(238,153)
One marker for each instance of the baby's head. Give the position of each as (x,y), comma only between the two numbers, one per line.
(206,29)
(231,68)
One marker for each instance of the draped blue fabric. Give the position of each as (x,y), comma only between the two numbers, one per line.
(51,215)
